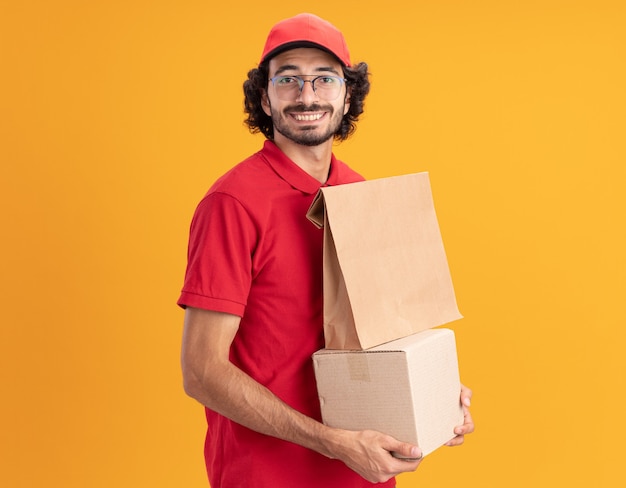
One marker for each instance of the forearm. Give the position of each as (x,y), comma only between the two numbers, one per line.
(229,391)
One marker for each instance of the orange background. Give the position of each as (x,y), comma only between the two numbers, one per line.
(116,116)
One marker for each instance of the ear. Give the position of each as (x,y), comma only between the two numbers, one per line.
(346,102)
(265,103)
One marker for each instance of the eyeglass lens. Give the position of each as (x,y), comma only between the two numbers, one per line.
(290,87)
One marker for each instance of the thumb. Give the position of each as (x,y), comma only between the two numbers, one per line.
(406,451)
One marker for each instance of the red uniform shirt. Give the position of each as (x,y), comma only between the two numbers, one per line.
(253,253)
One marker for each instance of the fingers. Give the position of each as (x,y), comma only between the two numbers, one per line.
(466,396)
(409,454)
(468,423)
(378,457)
(456,441)
(461,431)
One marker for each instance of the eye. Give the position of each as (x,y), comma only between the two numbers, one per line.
(327,80)
(286,80)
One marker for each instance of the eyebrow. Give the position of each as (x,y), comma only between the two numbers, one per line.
(293,67)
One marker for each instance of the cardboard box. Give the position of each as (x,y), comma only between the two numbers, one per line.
(408,388)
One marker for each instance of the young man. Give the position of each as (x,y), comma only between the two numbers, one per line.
(253,287)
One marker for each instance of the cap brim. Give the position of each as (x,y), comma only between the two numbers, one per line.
(295,45)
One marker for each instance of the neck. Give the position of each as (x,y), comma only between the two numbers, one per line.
(315,160)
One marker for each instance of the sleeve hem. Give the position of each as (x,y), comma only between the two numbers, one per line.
(194,300)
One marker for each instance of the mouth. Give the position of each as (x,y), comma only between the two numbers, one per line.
(308,117)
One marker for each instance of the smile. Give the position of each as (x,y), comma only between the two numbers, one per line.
(308,117)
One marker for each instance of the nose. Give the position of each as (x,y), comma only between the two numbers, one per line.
(307,92)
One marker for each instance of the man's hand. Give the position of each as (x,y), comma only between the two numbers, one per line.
(376,457)
(468,423)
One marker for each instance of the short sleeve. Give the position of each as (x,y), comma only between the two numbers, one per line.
(222,239)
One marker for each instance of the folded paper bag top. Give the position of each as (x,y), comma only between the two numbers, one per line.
(386,275)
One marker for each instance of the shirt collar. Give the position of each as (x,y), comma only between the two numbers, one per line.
(294,174)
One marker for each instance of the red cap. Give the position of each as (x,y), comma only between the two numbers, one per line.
(306,30)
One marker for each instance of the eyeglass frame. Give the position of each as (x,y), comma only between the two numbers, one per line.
(301,82)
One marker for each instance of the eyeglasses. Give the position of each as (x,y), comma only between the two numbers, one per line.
(289,87)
